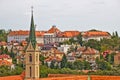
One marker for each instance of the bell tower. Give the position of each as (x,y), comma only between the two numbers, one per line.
(32,54)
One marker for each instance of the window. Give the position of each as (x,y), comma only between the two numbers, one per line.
(30,57)
(37,71)
(30,71)
(36,57)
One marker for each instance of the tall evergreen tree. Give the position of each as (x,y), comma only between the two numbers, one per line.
(79,39)
(64,61)
(116,34)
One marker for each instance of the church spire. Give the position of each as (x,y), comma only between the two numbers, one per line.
(32,36)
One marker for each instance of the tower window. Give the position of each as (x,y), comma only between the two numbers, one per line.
(30,71)
(37,71)
(36,57)
(30,57)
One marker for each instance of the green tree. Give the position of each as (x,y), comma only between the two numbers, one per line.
(103,65)
(93,44)
(6,50)
(70,65)
(116,34)
(78,65)
(79,39)
(64,61)
(86,65)
(42,58)
(52,65)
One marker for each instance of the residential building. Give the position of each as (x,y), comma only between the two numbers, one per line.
(53,52)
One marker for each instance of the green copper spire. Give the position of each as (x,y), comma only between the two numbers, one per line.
(32,36)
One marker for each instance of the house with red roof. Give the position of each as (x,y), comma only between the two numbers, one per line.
(5,60)
(87,53)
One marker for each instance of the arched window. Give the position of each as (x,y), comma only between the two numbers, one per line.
(30,71)
(37,71)
(30,57)
(36,57)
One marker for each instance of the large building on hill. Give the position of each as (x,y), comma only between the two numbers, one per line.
(54,35)
(96,35)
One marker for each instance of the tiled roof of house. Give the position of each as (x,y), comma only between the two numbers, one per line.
(56,51)
(95,33)
(69,34)
(54,29)
(51,58)
(24,43)
(3,43)
(88,50)
(26,33)
(5,62)
(4,56)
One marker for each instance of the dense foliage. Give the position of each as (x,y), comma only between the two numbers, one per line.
(7,71)
(3,34)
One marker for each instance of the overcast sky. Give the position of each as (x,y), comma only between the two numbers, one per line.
(79,15)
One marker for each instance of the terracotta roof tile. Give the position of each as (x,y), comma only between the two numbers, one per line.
(5,62)
(69,34)
(21,32)
(4,56)
(95,33)
(54,29)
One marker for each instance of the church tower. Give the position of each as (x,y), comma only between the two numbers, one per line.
(32,54)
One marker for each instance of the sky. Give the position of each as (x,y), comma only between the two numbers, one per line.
(81,15)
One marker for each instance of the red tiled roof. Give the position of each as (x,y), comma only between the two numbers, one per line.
(4,56)
(95,33)
(54,29)
(21,32)
(53,58)
(69,34)
(56,51)
(87,50)
(3,43)
(5,62)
